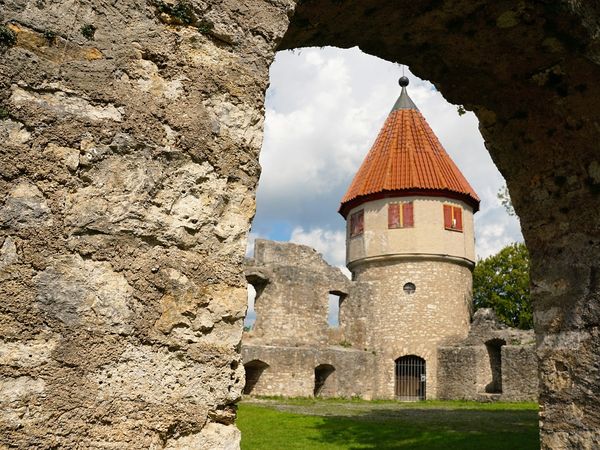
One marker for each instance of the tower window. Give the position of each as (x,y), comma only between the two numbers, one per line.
(400,215)
(409,288)
(357,223)
(453,218)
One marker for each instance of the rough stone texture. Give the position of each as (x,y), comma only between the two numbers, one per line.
(127,170)
(292,284)
(466,369)
(529,70)
(291,370)
(519,372)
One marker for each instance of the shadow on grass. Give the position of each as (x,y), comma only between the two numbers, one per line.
(431,429)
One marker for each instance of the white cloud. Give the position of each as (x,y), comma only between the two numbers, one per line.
(330,244)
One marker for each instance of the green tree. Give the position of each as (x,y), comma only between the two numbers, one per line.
(501,282)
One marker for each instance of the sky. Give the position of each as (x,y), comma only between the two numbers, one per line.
(324,109)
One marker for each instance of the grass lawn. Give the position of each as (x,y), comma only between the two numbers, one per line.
(350,424)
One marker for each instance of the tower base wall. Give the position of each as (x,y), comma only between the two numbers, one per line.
(403,322)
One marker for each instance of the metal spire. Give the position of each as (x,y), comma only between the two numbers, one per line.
(404,101)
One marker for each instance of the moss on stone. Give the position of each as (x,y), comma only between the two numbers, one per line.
(8,37)
(88,31)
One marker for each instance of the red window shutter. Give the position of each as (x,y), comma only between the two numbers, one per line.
(458,217)
(407,215)
(393,215)
(447,216)
(356,223)
(361,221)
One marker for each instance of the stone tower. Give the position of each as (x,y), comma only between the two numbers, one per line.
(410,248)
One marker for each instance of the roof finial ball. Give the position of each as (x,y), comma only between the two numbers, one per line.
(403,81)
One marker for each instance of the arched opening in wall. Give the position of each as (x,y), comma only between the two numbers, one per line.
(494,350)
(254,370)
(336,298)
(256,285)
(250,318)
(324,381)
(410,377)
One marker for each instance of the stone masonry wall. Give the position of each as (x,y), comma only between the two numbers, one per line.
(129,159)
(150,99)
(463,372)
(519,373)
(465,369)
(400,324)
(291,280)
(293,283)
(291,371)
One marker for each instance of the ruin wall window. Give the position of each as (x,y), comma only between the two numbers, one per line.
(400,215)
(453,218)
(357,223)
(334,306)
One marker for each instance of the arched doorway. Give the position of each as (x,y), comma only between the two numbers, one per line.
(323,380)
(254,370)
(410,378)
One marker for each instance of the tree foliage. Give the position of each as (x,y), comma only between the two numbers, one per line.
(501,282)
(504,197)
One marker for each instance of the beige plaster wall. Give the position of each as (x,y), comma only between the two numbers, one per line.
(428,236)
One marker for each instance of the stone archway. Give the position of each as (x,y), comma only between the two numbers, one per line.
(129,164)
(530,73)
(254,370)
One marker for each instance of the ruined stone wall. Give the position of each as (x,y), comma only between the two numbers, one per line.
(377,316)
(463,372)
(293,283)
(291,371)
(400,324)
(465,369)
(354,315)
(529,70)
(519,373)
(130,137)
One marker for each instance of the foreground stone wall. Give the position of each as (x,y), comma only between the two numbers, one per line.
(529,71)
(130,138)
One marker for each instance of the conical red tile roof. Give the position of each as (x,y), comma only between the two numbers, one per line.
(407,159)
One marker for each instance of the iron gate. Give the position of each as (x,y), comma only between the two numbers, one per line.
(410,378)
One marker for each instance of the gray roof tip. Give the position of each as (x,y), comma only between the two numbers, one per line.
(404,101)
